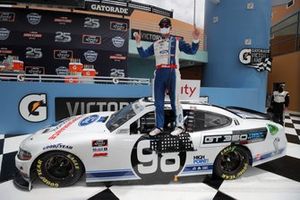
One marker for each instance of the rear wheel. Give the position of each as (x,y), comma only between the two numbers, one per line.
(59,169)
(231,163)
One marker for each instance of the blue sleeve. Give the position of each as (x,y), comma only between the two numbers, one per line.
(187,48)
(146,53)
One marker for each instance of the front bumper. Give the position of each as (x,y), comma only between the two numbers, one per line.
(21,182)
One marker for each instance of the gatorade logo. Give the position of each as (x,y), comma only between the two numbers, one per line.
(33,107)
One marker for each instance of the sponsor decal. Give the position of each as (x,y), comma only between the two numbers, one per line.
(5,51)
(146,35)
(91,22)
(68,106)
(108,8)
(256,58)
(63,54)
(102,119)
(118,26)
(34,70)
(117,57)
(58,146)
(91,39)
(34,18)
(7,16)
(63,128)
(63,37)
(99,143)
(88,120)
(4,33)
(118,41)
(272,129)
(200,160)
(63,20)
(100,148)
(32,35)
(34,53)
(62,70)
(114,72)
(238,137)
(100,154)
(90,55)
(33,107)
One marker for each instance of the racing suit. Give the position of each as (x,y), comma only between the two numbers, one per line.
(167,75)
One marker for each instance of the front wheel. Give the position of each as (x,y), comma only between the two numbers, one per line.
(231,163)
(59,169)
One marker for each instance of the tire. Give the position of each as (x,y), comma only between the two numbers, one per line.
(231,163)
(59,169)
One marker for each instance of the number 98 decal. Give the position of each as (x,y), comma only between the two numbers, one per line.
(151,165)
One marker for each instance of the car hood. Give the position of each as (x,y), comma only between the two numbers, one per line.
(74,126)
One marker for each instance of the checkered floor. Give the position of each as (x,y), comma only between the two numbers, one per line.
(276,180)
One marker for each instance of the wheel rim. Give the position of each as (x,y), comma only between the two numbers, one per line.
(231,161)
(59,167)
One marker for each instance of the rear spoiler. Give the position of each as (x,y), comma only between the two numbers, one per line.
(248,113)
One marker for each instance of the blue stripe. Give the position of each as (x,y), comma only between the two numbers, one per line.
(110,173)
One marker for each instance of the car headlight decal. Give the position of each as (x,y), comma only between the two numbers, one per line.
(24,155)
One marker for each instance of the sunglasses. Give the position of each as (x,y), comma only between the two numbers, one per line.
(164,25)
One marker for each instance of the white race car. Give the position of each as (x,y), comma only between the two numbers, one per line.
(107,146)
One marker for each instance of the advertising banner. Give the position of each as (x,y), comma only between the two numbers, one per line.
(189,90)
(46,41)
(70,106)
(148,35)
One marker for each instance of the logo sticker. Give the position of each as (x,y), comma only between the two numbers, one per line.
(33,107)
(63,54)
(7,16)
(34,18)
(118,42)
(91,22)
(99,143)
(63,37)
(118,26)
(63,20)
(62,70)
(32,35)
(90,56)
(91,39)
(88,120)
(4,33)
(34,53)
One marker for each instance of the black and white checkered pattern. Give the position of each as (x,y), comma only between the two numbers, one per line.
(279,179)
(266,65)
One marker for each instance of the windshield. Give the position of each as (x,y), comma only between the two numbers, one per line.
(126,113)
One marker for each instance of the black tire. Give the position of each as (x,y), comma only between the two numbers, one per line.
(231,163)
(59,169)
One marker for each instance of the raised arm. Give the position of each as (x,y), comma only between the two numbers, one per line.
(143,53)
(191,49)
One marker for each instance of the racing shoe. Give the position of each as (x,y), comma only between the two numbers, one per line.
(177,131)
(155,131)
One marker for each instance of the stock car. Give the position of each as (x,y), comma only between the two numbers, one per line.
(116,146)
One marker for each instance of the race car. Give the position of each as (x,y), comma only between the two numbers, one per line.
(116,146)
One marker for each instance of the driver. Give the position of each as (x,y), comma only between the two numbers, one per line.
(167,75)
